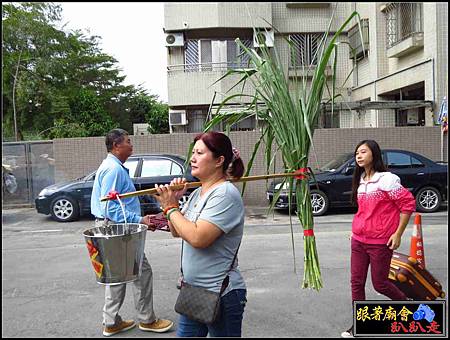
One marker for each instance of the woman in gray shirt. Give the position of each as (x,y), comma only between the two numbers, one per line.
(211,225)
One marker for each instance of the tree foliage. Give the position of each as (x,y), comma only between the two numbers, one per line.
(60,84)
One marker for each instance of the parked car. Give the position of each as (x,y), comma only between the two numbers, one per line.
(425,179)
(69,200)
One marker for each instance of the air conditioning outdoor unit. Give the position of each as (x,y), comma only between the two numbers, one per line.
(261,37)
(174,39)
(177,117)
(140,129)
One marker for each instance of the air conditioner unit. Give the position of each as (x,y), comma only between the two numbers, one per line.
(359,48)
(258,117)
(263,37)
(140,129)
(174,39)
(177,117)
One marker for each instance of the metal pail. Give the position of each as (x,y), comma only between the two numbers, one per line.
(115,252)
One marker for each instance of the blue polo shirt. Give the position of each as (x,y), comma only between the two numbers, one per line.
(113,175)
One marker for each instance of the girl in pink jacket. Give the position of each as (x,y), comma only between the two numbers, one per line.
(384,209)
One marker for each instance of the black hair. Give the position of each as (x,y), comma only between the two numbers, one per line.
(114,136)
(220,145)
(377,165)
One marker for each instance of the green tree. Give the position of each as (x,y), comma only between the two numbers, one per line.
(50,79)
(147,108)
(88,118)
(29,41)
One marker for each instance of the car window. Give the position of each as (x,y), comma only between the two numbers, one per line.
(131,165)
(398,160)
(176,169)
(160,167)
(337,162)
(415,163)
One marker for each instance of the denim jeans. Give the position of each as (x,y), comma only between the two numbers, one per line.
(229,323)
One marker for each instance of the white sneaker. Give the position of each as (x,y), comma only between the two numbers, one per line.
(348,333)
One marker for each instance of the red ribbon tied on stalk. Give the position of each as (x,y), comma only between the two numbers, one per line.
(308,232)
(303,173)
(113,194)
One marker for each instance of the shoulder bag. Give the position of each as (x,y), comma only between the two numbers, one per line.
(198,303)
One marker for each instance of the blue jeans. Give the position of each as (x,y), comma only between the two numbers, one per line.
(229,323)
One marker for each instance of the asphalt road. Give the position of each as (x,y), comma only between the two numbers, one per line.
(49,287)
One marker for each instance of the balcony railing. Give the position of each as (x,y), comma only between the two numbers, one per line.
(206,67)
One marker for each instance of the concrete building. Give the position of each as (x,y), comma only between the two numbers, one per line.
(399,78)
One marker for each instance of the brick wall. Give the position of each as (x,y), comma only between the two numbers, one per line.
(75,157)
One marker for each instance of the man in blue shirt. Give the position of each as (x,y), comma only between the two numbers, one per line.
(113,175)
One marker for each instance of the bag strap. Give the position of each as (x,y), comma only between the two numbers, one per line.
(227,278)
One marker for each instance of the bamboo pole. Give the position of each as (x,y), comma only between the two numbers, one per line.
(197,184)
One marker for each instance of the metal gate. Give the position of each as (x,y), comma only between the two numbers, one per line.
(33,165)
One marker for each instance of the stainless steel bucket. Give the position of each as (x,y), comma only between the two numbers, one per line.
(116,252)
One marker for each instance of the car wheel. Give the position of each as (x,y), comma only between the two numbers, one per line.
(319,202)
(182,201)
(428,199)
(64,209)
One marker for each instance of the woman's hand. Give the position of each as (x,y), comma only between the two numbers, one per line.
(166,197)
(179,193)
(394,241)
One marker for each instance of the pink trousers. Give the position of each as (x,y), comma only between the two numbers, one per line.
(379,257)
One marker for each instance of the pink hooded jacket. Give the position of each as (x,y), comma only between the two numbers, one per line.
(380,202)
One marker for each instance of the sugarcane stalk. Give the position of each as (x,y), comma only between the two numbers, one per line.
(189,185)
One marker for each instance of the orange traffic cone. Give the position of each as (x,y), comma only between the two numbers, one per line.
(416,249)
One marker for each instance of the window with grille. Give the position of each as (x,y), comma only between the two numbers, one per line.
(209,55)
(402,20)
(304,49)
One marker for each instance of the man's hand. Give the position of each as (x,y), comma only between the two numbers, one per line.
(147,220)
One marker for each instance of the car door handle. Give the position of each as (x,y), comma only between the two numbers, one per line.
(420,173)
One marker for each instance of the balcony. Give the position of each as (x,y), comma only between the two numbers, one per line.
(308,4)
(308,71)
(408,45)
(193,84)
(193,16)
(404,28)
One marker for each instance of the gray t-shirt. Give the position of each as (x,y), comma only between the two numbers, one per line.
(208,267)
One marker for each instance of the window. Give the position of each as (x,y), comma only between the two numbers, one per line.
(191,56)
(131,165)
(247,124)
(213,55)
(415,163)
(402,20)
(305,49)
(399,160)
(328,120)
(160,167)
(410,117)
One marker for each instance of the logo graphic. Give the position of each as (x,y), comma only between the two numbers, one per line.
(93,252)
(404,318)
(423,312)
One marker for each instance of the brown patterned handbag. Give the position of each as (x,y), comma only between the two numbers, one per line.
(198,303)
